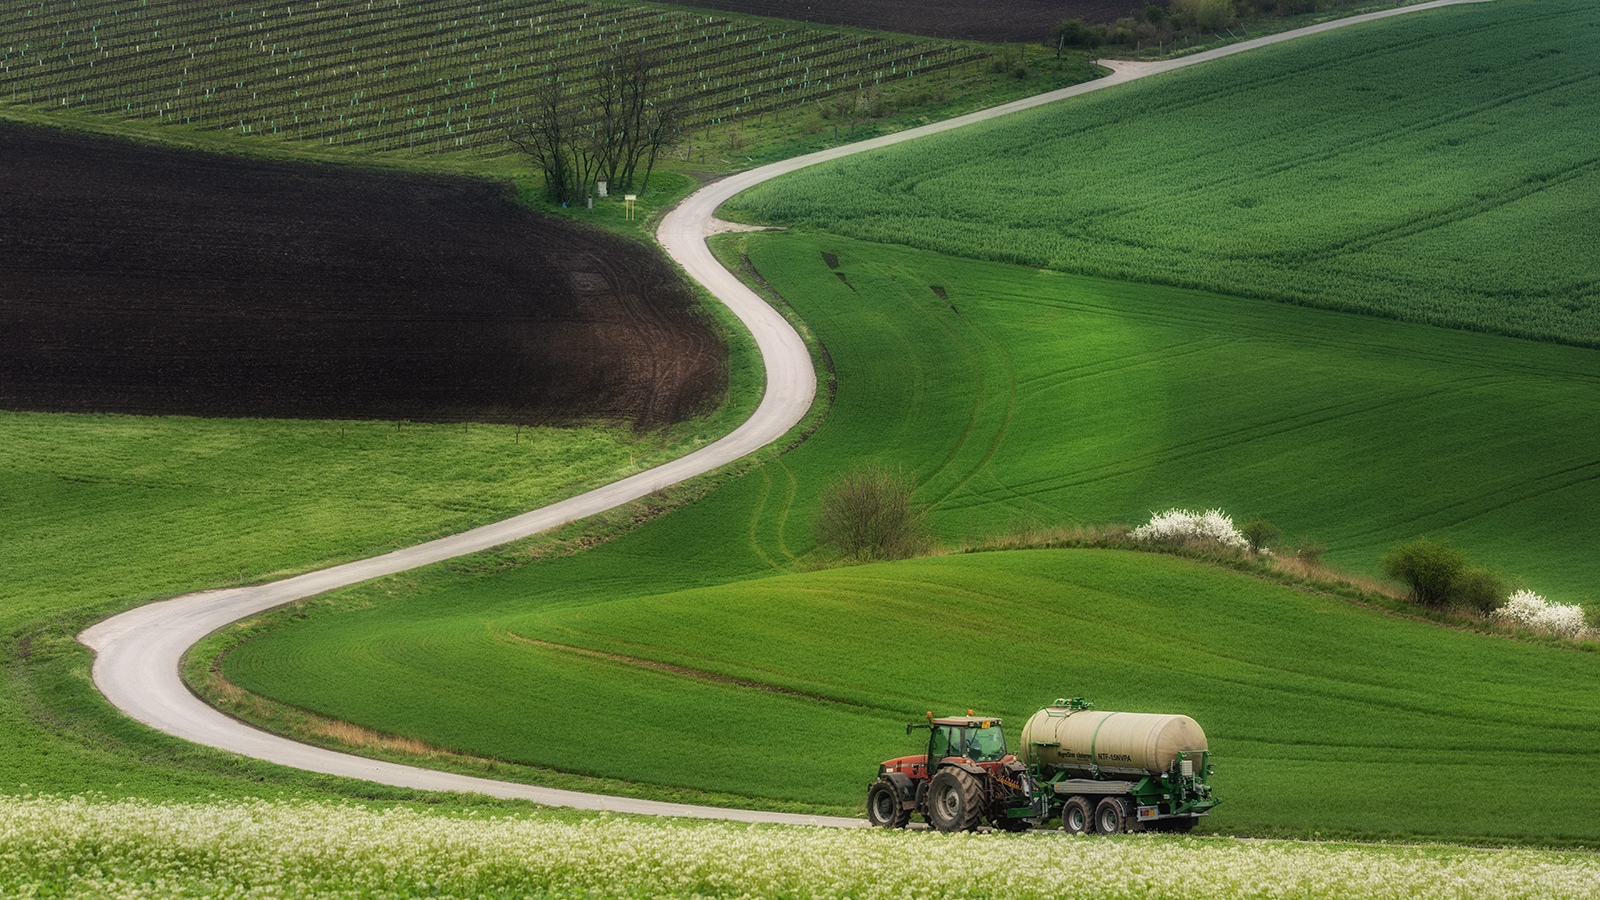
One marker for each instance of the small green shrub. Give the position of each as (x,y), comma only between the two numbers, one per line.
(1439,575)
(1431,569)
(869,515)
(1480,590)
(1261,534)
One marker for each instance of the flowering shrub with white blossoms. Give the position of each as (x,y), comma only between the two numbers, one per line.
(1180,526)
(1530,610)
(256,848)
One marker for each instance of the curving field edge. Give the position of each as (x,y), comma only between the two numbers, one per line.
(138,653)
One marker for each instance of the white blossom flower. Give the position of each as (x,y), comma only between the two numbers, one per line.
(1530,610)
(1180,526)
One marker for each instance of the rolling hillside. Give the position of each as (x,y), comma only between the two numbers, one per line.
(1004,397)
(1436,169)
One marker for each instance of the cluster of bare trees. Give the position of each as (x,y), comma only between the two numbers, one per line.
(599,125)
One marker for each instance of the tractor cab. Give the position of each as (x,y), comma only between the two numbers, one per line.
(971,739)
(967,739)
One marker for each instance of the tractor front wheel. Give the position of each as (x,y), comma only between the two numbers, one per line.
(1076,816)
(955,801)
(884,809)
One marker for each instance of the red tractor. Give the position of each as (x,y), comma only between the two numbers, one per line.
(965,777)
(1106,772)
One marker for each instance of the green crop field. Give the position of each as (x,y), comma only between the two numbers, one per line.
(1322,716)
(108,509)
(1026,396)
(1437,168)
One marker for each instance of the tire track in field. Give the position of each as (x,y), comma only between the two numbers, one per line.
(977,347)
(1221,440)
(1530,186)
(1587,473)
(1456,357)
(1293,161)
(138,653)
(686,672)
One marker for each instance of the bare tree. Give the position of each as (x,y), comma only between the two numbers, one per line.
(548,135)
(602,130)
(663,122)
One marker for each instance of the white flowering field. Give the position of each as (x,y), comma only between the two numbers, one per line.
(77,847)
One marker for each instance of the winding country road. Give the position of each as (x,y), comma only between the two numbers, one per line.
(137,653)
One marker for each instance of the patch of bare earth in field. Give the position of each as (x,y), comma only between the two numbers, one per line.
(147,280)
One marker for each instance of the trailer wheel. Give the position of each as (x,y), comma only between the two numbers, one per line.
(955,802)
(1076,816)
(883,806)
(1110,817)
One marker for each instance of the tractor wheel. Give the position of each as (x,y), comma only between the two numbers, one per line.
(883,806)
(1076,816)
(1110,817)
(955,801)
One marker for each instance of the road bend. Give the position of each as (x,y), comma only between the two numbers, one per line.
(138,652)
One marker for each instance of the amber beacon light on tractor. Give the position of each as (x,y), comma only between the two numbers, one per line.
(1099,772)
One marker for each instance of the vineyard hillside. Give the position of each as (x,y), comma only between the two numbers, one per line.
(439,76)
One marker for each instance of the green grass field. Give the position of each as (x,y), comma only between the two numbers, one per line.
(1323,716)
(1033,396)
(1436,168)
(106,512)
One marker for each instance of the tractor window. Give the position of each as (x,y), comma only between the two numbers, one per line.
(941,744)
(985,744)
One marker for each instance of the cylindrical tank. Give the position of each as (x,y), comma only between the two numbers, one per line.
(1086,742)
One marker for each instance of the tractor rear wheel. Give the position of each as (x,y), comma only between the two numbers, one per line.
(883,805)
(955,800)
(1110,817)
(1076,816)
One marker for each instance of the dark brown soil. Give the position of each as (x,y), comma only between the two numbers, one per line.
(147,280)
(979,20)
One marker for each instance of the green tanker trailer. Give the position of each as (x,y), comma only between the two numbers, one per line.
(1100,772)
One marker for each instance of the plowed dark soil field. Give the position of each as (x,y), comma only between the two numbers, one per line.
(988,20)
(154,281)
